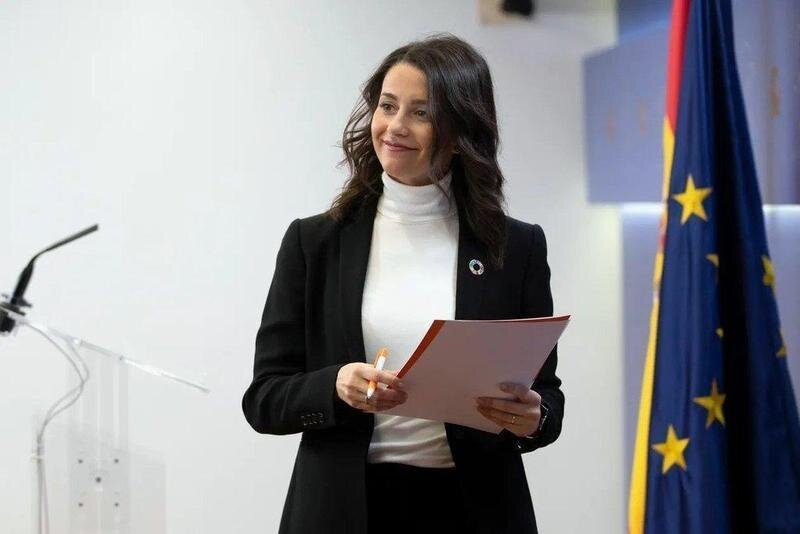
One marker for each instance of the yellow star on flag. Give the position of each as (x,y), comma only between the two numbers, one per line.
(672,449)
(713,403)
(782,353)
(769,272)
(714,258)
(692,200)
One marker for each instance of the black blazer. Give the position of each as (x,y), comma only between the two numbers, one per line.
(311,327)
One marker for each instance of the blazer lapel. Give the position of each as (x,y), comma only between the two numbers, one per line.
(355,241)
(469,286)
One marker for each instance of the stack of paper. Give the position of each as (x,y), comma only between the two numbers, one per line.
(459,360)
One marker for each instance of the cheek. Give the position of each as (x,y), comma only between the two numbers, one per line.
(426,139)
(376,126)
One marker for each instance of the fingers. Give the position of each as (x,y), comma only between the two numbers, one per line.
(381,399)
(375,403)
(521,418)
(503,417)
(393,395)
(384,377)
(393,392)
(377,406)
(510,413)
(523,393)
(494,416)
(510,406)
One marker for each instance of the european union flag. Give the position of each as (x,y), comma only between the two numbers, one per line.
(718,442)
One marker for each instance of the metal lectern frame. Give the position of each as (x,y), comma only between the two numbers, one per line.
(97,432)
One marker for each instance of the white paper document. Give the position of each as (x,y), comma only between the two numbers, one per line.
(459,360)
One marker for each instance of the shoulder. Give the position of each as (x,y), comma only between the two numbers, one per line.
(318,223)
(521,233)
(313,231)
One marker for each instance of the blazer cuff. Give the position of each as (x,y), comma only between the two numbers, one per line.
(536,440)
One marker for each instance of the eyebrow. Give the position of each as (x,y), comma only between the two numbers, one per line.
(415,101)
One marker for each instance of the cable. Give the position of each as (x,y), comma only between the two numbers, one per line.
(43,519)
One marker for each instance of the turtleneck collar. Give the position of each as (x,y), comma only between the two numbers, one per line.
(415,203)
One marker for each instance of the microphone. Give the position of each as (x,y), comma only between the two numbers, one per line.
(17,300)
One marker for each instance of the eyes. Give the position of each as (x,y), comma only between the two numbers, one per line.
(387,107)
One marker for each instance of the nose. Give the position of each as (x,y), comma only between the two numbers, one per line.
(397,126)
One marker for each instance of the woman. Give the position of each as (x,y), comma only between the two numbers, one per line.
(418,233)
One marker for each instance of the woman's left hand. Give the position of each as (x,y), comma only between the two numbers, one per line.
(520,415)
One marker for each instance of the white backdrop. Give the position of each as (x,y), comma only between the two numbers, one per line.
(193,133)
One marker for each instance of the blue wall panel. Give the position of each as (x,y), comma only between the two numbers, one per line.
(634,15)
(624,101)
(624,95)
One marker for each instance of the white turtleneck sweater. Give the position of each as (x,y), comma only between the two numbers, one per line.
(410,281)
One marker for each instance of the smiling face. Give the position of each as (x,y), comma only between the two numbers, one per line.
(402,133)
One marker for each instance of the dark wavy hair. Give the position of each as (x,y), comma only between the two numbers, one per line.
(462,110)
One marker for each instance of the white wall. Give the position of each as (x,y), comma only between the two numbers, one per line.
(194,132)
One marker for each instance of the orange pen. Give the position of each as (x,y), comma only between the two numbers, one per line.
(380,361)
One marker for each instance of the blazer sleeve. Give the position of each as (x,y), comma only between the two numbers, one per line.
(285,397)
(537,301)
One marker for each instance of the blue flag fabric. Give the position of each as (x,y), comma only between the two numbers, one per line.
(724,437)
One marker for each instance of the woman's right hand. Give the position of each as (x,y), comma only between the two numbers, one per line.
(352,383)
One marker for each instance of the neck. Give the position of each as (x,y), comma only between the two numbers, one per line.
(416,203)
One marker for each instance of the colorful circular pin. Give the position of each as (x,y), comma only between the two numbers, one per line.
(476,267)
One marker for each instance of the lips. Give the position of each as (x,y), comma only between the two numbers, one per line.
(396,147)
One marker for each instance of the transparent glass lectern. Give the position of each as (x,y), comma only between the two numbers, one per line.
(96,475)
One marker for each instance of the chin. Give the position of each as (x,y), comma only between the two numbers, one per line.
(395,171)
(390,167)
